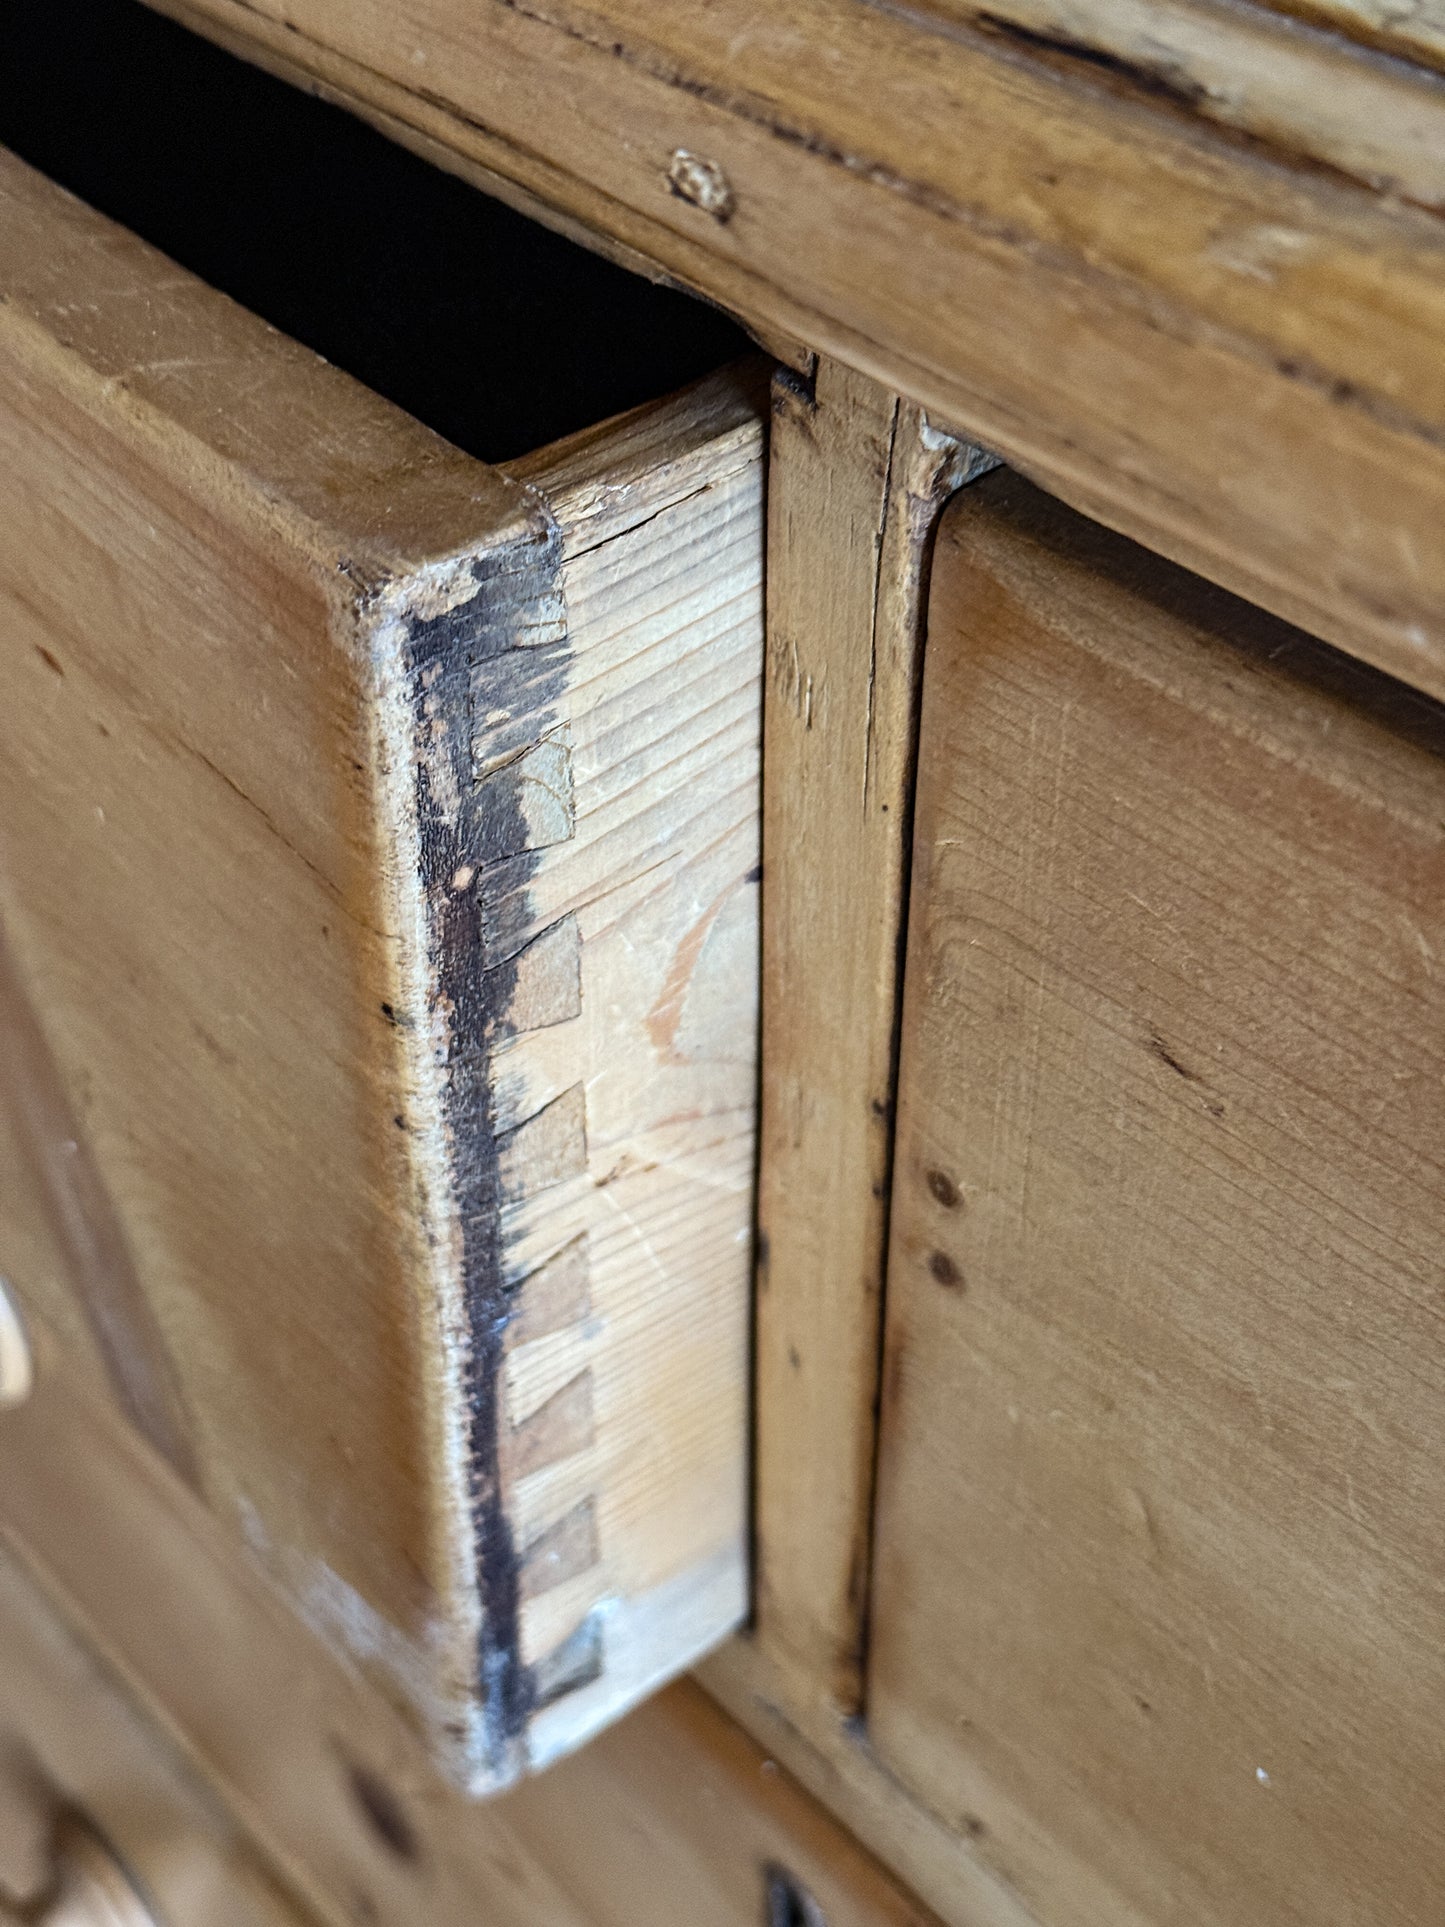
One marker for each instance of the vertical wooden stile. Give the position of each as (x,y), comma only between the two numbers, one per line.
(856,479)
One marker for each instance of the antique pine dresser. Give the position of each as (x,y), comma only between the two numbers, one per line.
(722,958)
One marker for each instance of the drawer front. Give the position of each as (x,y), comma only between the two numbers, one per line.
(673,1815)
(379,878)
(1156,1611)
(101,1822)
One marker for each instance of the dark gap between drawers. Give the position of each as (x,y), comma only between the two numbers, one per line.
(486,326)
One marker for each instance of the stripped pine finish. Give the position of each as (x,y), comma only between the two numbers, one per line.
(859,475)
(1155,1609)
(1062,254)
(72,1740)
(1309,93)
(674,1815)
(626,1381)
(1414,30)
(380,873)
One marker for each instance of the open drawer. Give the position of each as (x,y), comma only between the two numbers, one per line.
(378,849)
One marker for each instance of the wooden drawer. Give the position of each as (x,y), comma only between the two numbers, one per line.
(1157,1572)
(672,1815)
(379,878)
(102,1824)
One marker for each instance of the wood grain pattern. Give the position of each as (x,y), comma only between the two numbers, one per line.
(645,1392)
(1228,353)
(379,860)
(1155,1611)
(831,1755)
(855,478)
(674,1815)
(73,1742)
(1412,31)
(1295,91)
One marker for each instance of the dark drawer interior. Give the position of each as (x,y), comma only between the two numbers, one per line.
(488,327)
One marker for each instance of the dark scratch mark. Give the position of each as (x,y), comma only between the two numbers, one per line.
(383,1812)
(1166,1056)
(1167,81)
(787,1902)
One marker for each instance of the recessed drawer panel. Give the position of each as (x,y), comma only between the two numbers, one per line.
(1156,1618)
(101,1822)
(378,844)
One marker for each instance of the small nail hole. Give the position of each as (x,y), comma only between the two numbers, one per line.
(945,1270)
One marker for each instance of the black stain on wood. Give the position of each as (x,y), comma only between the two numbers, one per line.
(482,659)
(944,1190)
(1166,1056)
(795,392)
(575,1663)
(383,1813)
(1163,80)
(945,1271)
(787,1902)
(1161,1050)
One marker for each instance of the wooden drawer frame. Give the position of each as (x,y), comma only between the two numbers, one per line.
(1015,267)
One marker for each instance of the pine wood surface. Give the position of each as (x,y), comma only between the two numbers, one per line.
(831,1755)
(73,1743)
(1221,346)
(380,844)
(672,1815)
(855,478)
(1296,91)
(1415,31)
(1154,1615)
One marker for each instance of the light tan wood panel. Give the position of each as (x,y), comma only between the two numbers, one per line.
(831,1755)
(673,1816)
(378,846)
(1413,31)
(1301,92)
(855,480)
(72,1744)
(1156,1607)
(1226,350)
